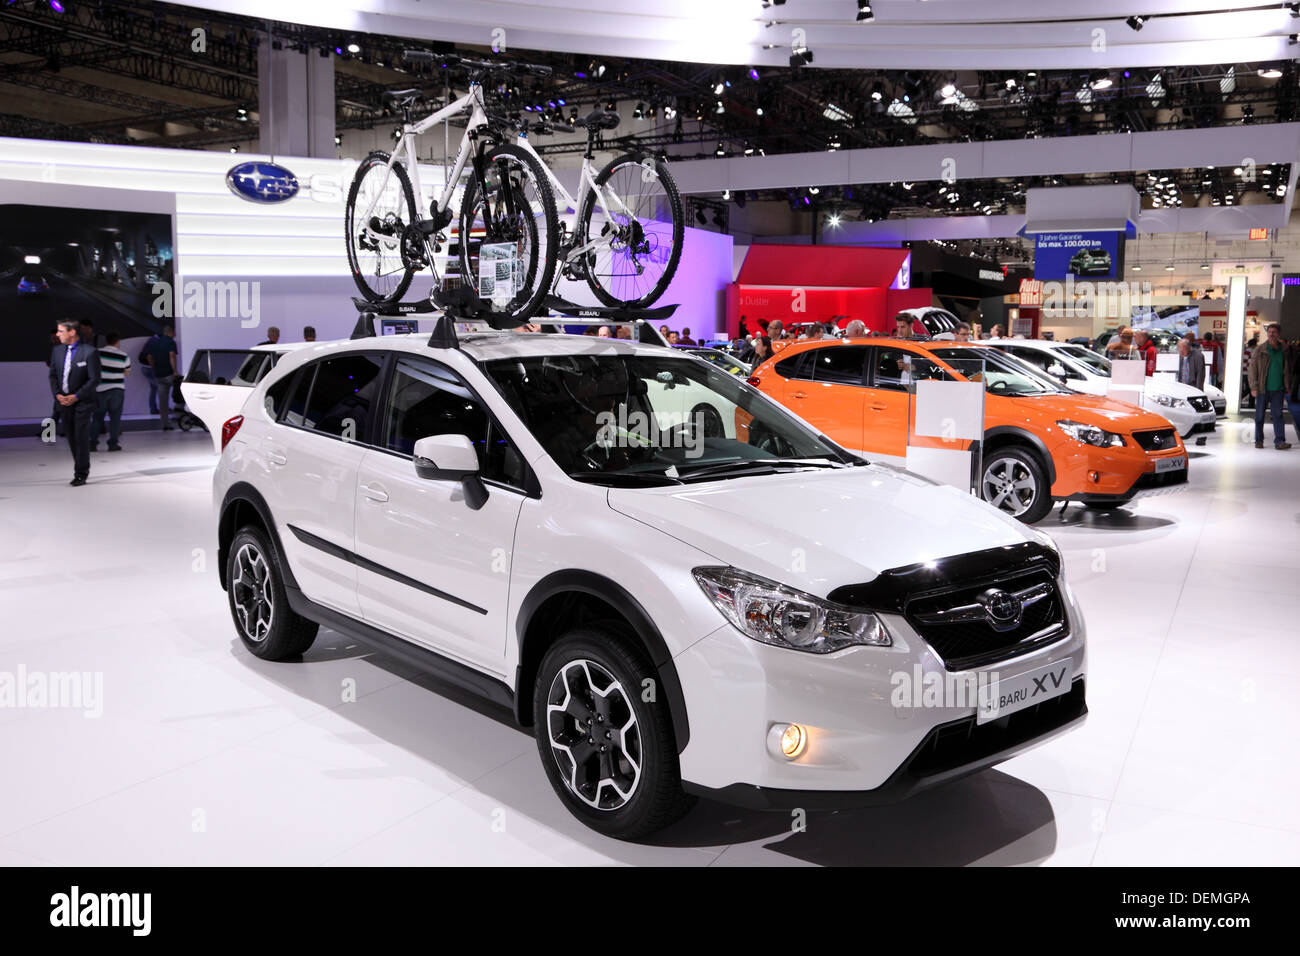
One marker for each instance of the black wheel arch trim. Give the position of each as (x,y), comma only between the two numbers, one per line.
(241,492)
(1028,438)
(618,597)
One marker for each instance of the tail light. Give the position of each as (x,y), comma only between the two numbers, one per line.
(753,380)
(228,430)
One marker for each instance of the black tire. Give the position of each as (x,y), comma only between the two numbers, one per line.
(277,634)
(600,287)
(375,288)
(654,798)
(1019,464)
(540,272)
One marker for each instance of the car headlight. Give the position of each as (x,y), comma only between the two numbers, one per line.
(1168,401)
(781,616)
(1090,434)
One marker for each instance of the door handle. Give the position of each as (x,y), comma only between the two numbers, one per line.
(205,396)
(878,408)
(276,458)
(799,395)
(374,492)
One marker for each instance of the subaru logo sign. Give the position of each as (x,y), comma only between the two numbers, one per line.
(262,182)
(1002,609)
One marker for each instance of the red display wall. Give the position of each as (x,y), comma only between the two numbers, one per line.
(819,283)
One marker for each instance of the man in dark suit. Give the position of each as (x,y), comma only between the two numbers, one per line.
(74,380)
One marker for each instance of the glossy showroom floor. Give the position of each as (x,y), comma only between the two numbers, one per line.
(207,755)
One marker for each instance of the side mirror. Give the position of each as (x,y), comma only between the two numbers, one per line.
(451,458)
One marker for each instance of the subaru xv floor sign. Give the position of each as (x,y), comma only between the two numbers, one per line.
(262,182)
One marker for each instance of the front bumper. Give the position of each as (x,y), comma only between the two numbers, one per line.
(864,745)
(948,752)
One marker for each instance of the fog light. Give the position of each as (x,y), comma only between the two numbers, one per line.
(790,739)
(1094,476)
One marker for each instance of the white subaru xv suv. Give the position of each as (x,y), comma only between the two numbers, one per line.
(678,586)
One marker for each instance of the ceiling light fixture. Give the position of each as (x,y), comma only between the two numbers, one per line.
(864,11)
(1137,23)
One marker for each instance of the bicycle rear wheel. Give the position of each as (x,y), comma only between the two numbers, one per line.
(381,205)
(508,232)
(639,239)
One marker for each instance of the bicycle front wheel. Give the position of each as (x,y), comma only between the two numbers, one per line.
(637,241)
(508,234)
(381,205)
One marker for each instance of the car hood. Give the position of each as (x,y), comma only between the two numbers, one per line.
(1109,413)
(818,530)
(1162,385)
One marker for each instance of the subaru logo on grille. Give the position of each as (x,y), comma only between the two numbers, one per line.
(262,182)
(1002,608)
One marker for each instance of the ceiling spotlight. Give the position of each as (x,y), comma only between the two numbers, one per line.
(753,74)
(833,220)
(1102,83)
(234,149)
(749,149)
(1170,267)
(1011,82)
(1237,171)
(639,112)
(719,108)
(948,90)
(670,112)
(720,151)
(1294,8)
(1137,23)
(1270,73)
(726,195)
(1281,189)
(718,87)
(610,106)
(1137,268)
(800,56)
(864,11)
(338,140)
(814,190)
(1205,267)
(354,48)
(758,111)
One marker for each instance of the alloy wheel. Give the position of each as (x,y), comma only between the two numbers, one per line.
(1009,485)
(253,599)
(594,735)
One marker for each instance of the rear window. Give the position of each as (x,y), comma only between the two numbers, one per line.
(238,367)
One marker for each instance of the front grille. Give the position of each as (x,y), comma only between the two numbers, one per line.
(963,742)
(965,644)
(1220,407)
(1159,439)
(1200,403)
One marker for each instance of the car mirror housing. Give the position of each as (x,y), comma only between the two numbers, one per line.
(451,458)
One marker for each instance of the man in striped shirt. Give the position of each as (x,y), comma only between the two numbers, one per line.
(115,366)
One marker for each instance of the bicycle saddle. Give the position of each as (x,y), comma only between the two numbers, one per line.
(404,96)
(599,119)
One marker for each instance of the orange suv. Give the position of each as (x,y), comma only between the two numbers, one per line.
(1042,442)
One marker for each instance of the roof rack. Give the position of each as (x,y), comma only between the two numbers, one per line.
(462,305)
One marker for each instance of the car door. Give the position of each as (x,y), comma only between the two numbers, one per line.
(218,384)
(430,568)
(887,402)
(830,391)
(311,457)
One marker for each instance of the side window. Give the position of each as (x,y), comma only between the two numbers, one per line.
(295,413)
(1038,358)
(896,369)
(794,367)
(841,364)
(427,399)
(341,395)
(277,395)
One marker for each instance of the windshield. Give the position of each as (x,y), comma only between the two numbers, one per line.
(1002,374)
(654,419)
(1087,357)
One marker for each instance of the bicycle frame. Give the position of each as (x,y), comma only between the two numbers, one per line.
(586,183)
(405,149)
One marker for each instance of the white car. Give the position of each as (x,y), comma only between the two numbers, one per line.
(1188,409)
(746,611)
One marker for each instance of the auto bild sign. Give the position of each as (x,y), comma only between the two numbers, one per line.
(262,182)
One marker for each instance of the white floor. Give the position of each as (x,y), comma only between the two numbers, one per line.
(205,755)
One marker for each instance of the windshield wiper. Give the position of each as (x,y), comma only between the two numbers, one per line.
(758,466)
(625,478)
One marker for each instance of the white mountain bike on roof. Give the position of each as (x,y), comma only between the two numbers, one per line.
(622,234)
